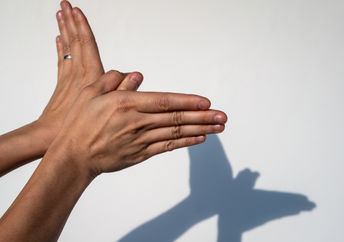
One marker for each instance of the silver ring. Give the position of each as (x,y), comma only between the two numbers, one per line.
(67,57)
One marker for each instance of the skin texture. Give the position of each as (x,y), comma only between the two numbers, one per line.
(76,38)
(125,128)
(105,129)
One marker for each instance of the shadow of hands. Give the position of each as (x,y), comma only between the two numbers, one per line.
(214,191)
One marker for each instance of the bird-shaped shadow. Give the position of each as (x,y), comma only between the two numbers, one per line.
(214,191)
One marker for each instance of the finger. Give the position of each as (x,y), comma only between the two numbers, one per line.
(153,121)
(108,82)
(154,102)
(181,131)
(90,54)
(74,39)
(64,40)
(59,48)
(169,145)
(63,32)
(131,82)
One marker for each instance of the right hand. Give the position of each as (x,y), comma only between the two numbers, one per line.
(107,130)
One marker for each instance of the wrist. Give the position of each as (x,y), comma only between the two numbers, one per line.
(62,151)
(46,131)
(23,145)
(60,164)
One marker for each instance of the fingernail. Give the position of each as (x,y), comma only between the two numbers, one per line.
(136,78)
(218,127)
(203,105)
(63,4)
(75,12)
(200,139)
(219,118)
(59,15)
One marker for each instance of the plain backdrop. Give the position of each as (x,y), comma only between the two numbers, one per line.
(275,67)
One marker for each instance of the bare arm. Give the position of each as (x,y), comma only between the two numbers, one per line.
(42,208)
(105,131)
(22,146)
(32,141)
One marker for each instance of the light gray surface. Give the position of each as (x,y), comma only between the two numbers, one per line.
(276,68)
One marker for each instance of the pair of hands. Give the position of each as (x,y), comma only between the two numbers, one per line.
(99,122)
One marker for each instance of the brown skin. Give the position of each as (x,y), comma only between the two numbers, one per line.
(125,128)
(104,131)
(76,38)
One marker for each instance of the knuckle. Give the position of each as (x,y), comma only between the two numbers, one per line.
(163,103)
(176,132)
(87,39)
(136,129)
(66,49)
(123,100)
(123,104)
(74,38)
(169,145)
(88,90)
(144,156)
(113,74)
(177,117)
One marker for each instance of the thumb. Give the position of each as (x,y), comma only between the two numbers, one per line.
(131,82)
(108,82)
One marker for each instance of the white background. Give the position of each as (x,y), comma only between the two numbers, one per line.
(275,67)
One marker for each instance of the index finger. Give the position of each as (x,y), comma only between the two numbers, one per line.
(156,102)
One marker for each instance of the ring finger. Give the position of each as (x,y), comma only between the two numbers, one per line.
(185,117)
(177,132)
(65,40)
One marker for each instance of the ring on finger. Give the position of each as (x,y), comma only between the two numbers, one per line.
(67,57)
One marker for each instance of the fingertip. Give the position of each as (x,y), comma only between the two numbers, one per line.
(59,15)
(226,118)
(220,118)
(204,104)
(200,139)
(137,78)
(219,128)
(63,4)
(58,39)
(76,12)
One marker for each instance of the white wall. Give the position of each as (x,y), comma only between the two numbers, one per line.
(276,67)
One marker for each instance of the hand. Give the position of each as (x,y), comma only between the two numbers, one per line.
(107,131)
(74,74)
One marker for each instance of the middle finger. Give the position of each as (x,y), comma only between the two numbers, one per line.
(156,120)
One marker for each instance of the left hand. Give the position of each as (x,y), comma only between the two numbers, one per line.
(85,67)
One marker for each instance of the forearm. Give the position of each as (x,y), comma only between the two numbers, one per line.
(43,206)
(23,145)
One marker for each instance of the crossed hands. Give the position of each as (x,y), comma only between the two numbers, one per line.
(99,118)
(95,122)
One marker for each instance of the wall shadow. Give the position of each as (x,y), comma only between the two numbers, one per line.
(214,190)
